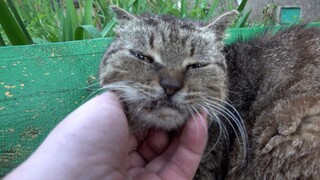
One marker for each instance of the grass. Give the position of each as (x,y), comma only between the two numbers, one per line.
(48,21)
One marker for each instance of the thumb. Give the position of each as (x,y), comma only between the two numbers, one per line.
(187,157)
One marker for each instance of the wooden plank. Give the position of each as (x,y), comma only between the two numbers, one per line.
(39,86)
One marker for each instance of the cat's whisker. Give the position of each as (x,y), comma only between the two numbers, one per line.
(134,114)
(139,107)
(222,129)
(212,109)
(238,120)
(91,95)
(91,85)
(229,105)
(225,112)
(193,118)
(228,91)
(222,132)
(202,120)
(129,86)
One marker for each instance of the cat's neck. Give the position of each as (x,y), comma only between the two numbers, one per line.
(244,72)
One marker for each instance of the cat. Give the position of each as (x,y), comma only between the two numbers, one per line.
(262,95)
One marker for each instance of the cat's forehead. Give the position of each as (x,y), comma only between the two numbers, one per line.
(169,22)
(167,39)
(163,26)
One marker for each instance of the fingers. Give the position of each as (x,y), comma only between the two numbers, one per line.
(152,147)
(104,108)
(189,150)
(155,144)
(180,159)
(135,160)
(99,123)
(83,144)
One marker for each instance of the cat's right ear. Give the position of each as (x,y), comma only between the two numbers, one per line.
(122,15)
(220,24)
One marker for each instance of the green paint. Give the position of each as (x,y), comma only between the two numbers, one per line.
(290,15)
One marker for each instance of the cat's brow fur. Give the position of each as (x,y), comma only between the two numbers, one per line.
(166,69)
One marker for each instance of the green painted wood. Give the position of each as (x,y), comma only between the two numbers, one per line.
(39,86)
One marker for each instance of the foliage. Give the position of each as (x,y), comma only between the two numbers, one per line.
(12,25)
(56,21)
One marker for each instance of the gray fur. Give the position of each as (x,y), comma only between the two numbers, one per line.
(166,69)
(277,83)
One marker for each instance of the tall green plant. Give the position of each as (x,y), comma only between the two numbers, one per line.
(77,25)
(243,19)
(12,24)
(94,19)
(2,43)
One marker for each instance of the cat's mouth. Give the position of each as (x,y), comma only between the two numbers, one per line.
(167,103)
(161,113)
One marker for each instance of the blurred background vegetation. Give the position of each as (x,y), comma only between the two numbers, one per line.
(38,21)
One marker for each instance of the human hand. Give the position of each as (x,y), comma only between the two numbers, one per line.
(94,142)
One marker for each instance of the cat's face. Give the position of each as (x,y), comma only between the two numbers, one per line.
(165,69)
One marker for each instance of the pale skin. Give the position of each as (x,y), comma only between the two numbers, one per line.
(94,142)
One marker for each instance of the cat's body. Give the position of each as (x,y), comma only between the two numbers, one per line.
(166,69)
(275,85)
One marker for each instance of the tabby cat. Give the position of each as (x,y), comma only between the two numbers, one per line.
(262,95)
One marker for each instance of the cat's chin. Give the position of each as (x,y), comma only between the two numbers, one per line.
(165,118)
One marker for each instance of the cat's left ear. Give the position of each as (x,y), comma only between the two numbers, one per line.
(122,15)
(220,24)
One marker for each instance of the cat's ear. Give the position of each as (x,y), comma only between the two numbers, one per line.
(121,14)
(220,24)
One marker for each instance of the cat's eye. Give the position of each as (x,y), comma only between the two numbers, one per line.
(196,65)
(142,57)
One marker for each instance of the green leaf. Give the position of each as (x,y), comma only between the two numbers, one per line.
(19,20)
(229,5)
(104,6)
(79,32)
(71,20)
(183,11)
(212,9)
(163,7)
(142,5)
(137,6)
(2,43)
(88,12)
(87,19)
(196,4)
(11,26)
(62,19)
(243,20)
(40,41)
(242,5)
(108,27)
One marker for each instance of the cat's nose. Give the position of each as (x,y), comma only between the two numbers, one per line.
(170,86)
